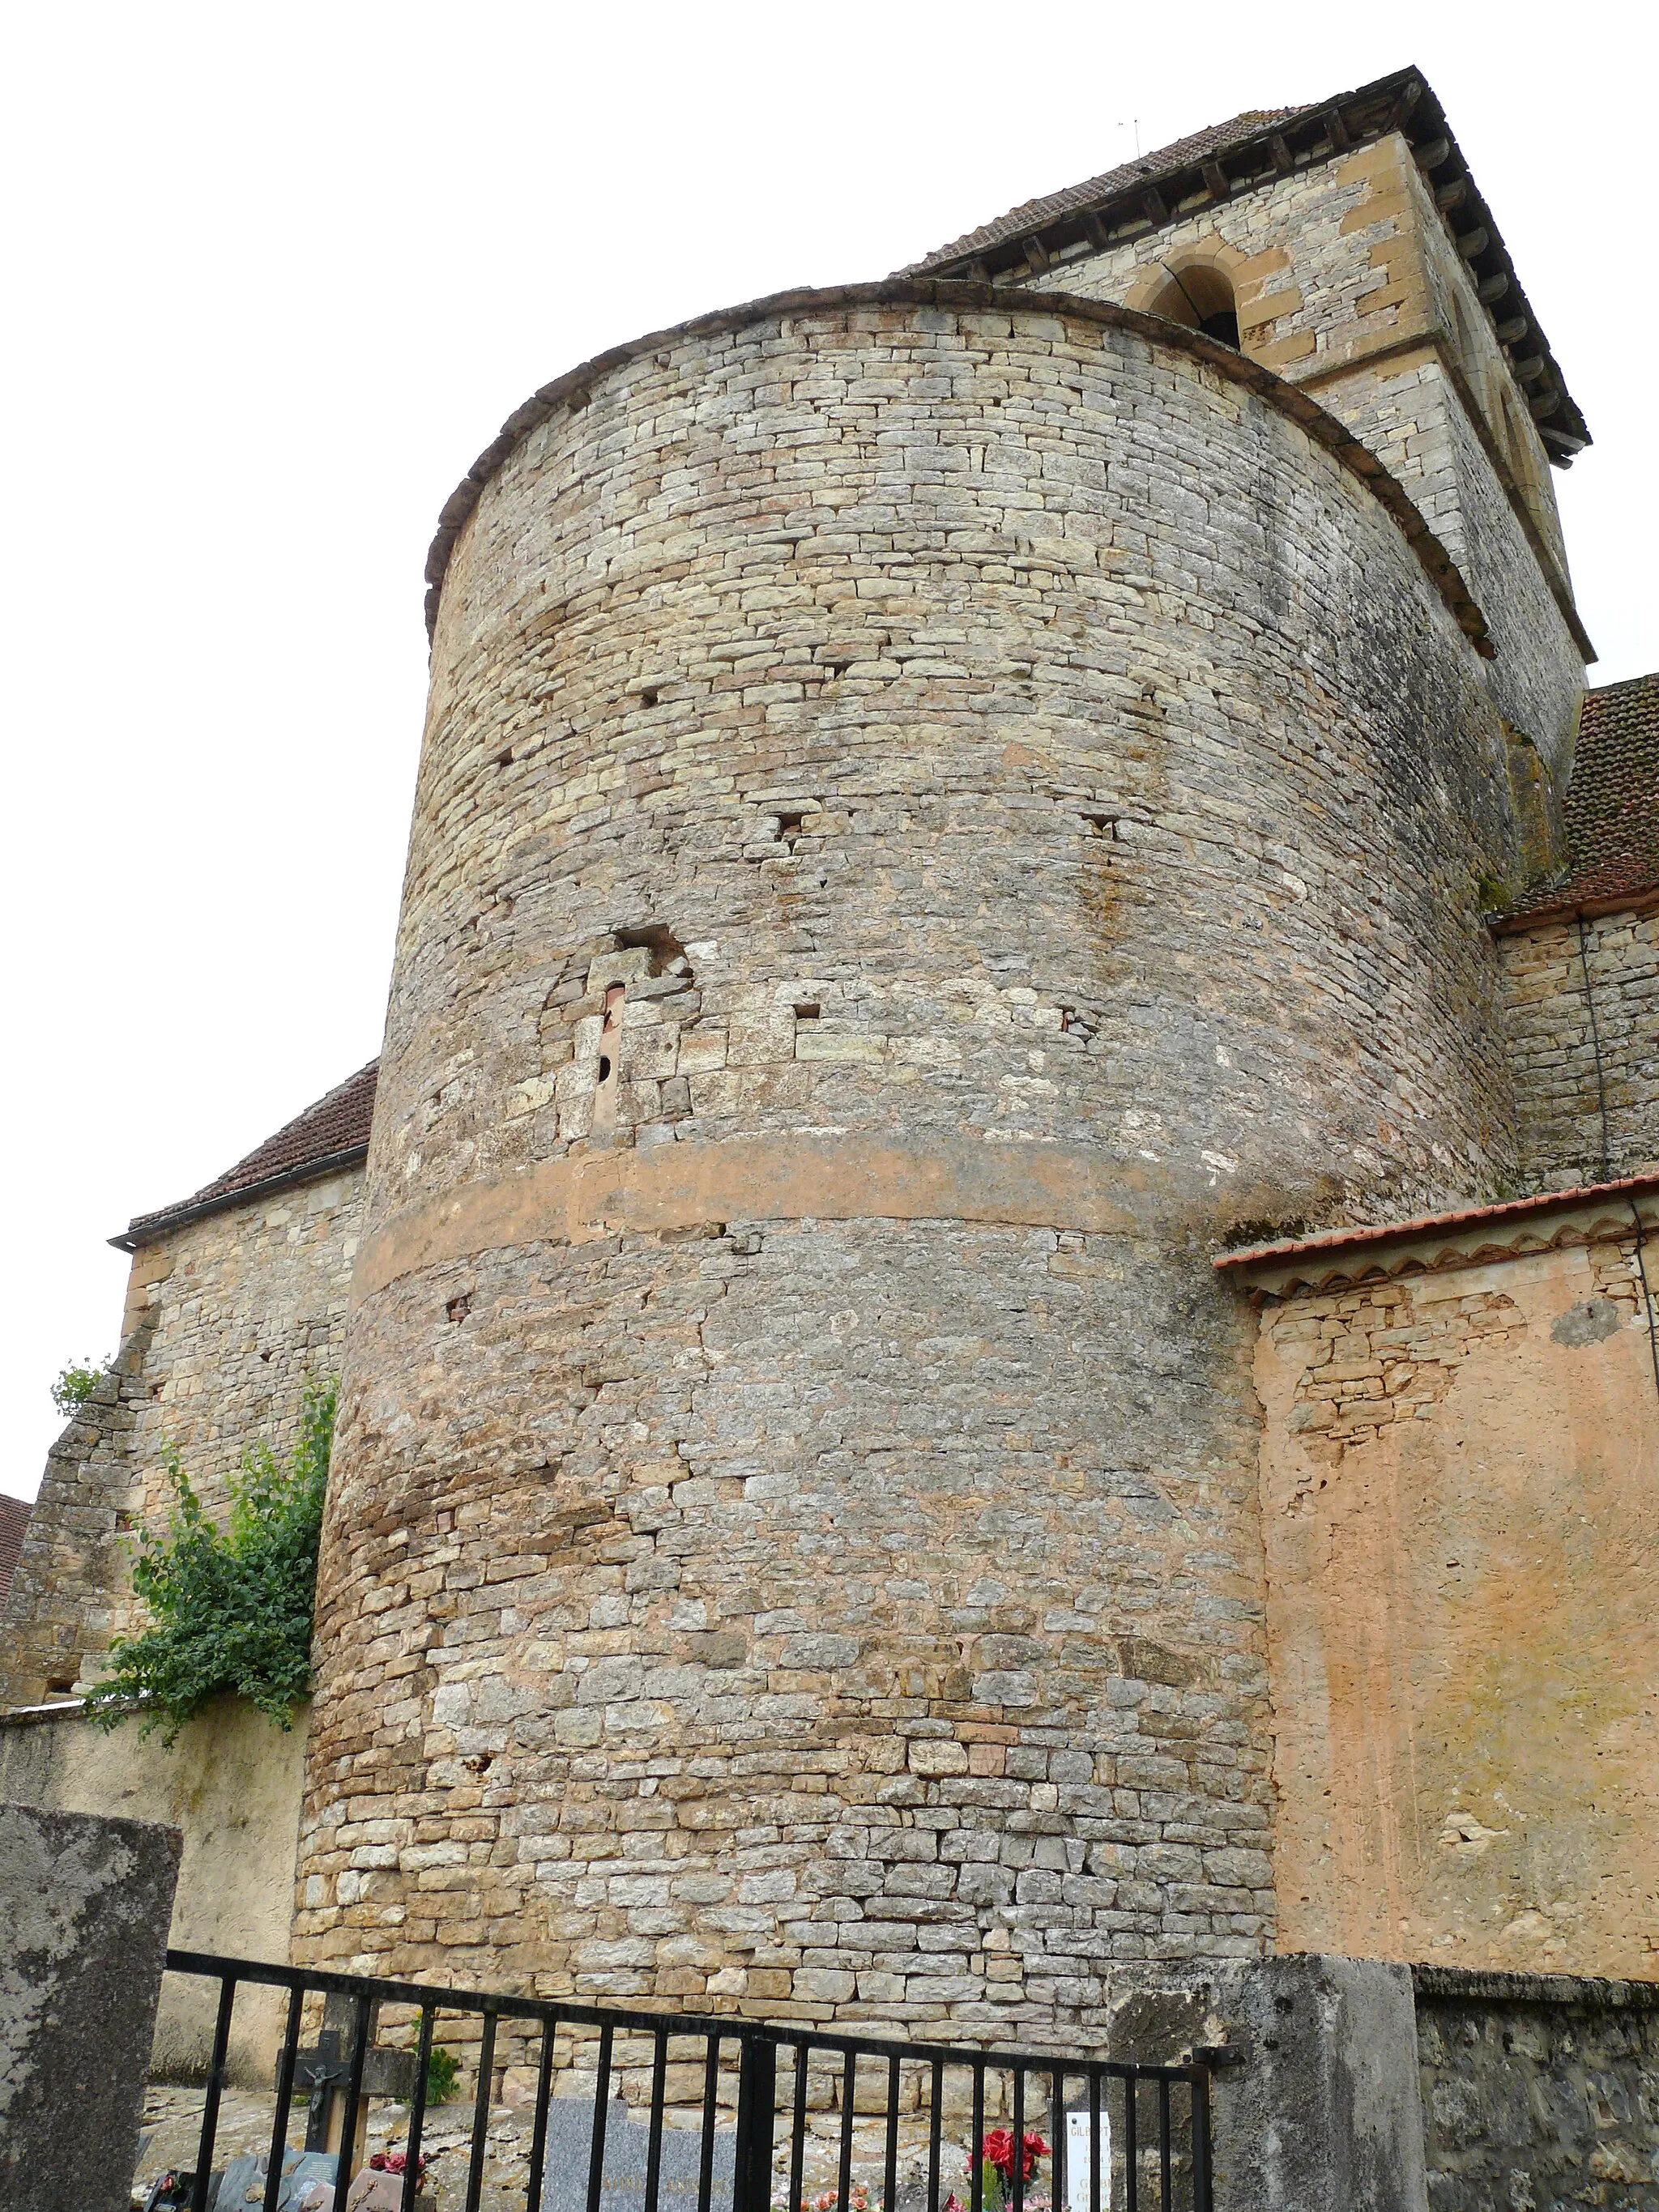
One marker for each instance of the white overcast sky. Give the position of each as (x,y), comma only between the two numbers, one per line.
(275,274)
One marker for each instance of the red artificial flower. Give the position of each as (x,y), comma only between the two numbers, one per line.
(998,2149)
(395,2161)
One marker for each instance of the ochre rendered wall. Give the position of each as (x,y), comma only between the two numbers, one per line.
(231,1785)
(929,812)
(1460,1502)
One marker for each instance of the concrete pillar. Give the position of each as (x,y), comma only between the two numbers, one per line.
(86,1904)
(1326,2115)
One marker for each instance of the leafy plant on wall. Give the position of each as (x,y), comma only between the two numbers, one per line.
(231,1609)
(76,1384)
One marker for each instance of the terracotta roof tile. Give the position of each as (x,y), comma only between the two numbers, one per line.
(1146,169)
(1252,149)
(1612,807)
(337,1123)
(14,1519)
(1461,1217)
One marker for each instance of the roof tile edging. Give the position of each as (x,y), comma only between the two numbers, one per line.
(574,388)
(145,1228)
(1332,1257)
(1407,103)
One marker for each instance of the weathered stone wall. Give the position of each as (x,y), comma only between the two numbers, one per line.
(226,1319)
(1553,1049)
(1541,2093)
(1348,284)
(1461,1498)
(230,1785)
(84,1906)
(928,814)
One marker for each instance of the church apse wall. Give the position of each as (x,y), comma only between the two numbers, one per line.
(932,808)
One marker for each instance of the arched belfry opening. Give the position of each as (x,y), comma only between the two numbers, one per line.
(1202,297)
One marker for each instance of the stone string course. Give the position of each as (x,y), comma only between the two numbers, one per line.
(952,724)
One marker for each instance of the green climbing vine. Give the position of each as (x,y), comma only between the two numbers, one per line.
(231,1609)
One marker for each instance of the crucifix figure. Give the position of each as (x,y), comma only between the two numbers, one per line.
(325,2071)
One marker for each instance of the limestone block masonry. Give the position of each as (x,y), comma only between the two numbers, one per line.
(1583,1000)
(85,1904)
(227,1319)
(936,807)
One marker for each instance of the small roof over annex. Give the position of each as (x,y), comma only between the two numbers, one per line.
(1216,164)
(1342,1258)
(331,1133)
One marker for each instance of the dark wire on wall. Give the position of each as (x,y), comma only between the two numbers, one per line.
(1606,1147)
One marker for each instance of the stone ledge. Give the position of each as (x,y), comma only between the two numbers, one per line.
(1467,1984)
(574,387)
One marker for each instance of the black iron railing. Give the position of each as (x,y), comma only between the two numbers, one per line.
(740,2115)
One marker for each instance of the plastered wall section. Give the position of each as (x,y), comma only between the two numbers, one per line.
(1461,1515)
(226,1320)
(1348,282)
(231,1785)
(1554,1051)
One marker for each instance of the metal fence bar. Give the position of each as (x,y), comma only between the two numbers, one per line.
(756,2101)
(798,2133)
(711,2078)
(1131,2146)
(849,2099)
(935,2124)
(354,2096)
(601,2105)
(417,2110)
(654,2139)
(216,2082)
(1096,2197)
(1017,2154)
(415,1993)
(976,2151)
(532,2195)
(1060,2147)
(481,2111)
(1165,2177)
(285,2067)
(1183,2152)
(890,2148)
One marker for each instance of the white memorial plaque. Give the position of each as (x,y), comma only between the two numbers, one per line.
(1078,2165)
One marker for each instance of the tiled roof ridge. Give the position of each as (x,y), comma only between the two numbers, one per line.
(1611,810)
(1326,1241)
(1145,170)
(330,1132)
(1127,202)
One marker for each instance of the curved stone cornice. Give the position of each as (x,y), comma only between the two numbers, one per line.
(573,389)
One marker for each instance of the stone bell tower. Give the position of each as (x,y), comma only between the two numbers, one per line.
(1346,246)
(942,803)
